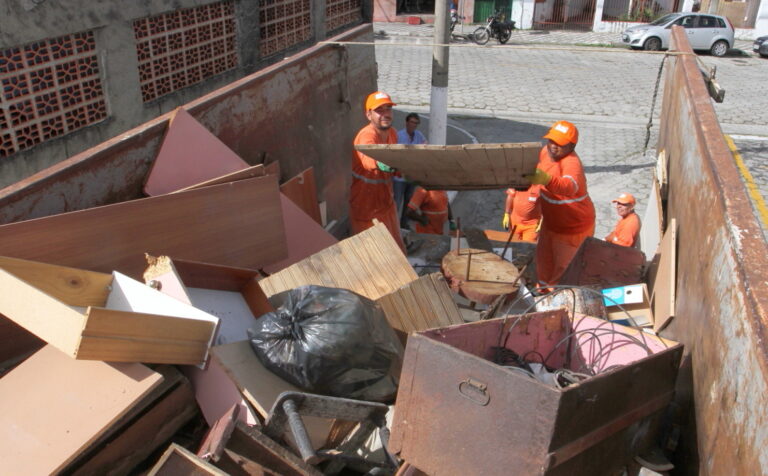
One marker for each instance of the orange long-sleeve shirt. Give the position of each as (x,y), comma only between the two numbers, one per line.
(434,205)
(523,206)
(626,231)
(371,192)
(565,203)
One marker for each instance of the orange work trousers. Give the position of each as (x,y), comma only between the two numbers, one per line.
(388,218)
(526,233)
(554,253)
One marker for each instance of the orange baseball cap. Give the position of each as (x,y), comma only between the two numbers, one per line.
(625,199)
(563,132)
(377,99)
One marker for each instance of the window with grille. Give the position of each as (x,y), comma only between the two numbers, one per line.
(184,47)
(283,24)
(49,88)
(342,12)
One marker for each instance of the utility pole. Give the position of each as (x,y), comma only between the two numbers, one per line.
(438,104)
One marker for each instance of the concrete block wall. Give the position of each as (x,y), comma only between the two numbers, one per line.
(27,21)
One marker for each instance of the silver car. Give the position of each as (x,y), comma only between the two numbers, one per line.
(705,32)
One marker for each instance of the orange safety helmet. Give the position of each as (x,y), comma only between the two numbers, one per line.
(562,133)
(377,99)
(625,199)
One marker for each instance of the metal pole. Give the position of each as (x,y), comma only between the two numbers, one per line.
(438,109)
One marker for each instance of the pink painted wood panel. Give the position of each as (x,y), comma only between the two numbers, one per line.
(55,406)
(190,154)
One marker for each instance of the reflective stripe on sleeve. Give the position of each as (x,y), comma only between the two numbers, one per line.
(434,213)
(574,182)
(368,180)
(562,202)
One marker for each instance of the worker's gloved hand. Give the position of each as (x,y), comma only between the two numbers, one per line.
(539,177)
(384,167)
(452,225)
(505,221)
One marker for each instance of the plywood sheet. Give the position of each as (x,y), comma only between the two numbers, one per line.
(460,167)
(189,154)
(650,231)
(250,172)
(604,264)
(304,236)
(54,406)
(234,224)
(369,263)
(260,386)
(302,191)
(422,304)
(664,284)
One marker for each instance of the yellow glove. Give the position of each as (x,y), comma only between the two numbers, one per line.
(539,177)
(505,221)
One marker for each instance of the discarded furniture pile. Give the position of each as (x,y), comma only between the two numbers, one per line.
(215,327)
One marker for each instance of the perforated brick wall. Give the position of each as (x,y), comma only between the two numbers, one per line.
(284,23)
(342,12)
(49,88)
(184,47)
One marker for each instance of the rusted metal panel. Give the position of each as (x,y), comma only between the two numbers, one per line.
(722,285)
(302,111)
(457,412)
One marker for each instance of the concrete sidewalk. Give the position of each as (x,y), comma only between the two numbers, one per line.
(520,37)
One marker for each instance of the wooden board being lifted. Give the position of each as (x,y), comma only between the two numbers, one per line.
(235,224)
(461,167)
(369,263)
(55,406)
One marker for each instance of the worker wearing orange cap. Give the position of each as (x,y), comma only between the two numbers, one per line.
(628,227)
(523,211)
(567,211)
(430,210)
(371,193)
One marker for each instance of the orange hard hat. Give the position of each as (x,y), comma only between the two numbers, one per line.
(563,132)
(377,99)
(625,199)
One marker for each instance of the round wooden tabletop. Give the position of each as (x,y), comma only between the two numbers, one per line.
(489,275)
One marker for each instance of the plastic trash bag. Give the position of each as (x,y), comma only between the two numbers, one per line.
(330,341)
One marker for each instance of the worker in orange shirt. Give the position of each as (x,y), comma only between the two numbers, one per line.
(523,211)
(627,228)
(567,211)
(430,210)
(371,193)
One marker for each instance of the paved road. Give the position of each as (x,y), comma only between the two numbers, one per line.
(513,92)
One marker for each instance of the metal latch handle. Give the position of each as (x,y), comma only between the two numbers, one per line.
(475,391)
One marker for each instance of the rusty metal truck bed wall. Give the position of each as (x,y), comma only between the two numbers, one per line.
(722,283)
(303,111)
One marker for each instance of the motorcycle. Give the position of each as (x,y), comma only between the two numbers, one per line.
(454,17)
(495,27)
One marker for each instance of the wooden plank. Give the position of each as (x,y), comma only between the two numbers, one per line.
(143,430)
(235,224)
(261,387)
(664,284)
(302,191)
(71,286)
(66,405)
(250,172)
(195,274)
(483,166)
(650,231)
(216,438)
(178,461)
(604,264)
(190,154)
(369,263)
(422,304)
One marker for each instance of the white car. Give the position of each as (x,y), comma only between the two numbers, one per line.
(705,32)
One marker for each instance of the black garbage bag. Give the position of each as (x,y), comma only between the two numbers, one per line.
(330,341)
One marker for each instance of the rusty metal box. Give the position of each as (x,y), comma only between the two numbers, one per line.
(459,413)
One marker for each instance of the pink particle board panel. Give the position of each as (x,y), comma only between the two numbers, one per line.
(55,406)
(304,236)
(190,154)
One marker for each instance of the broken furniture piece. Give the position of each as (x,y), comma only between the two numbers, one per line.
(460,167)
(286,416)
(579,429)
(479,275)
(97,316)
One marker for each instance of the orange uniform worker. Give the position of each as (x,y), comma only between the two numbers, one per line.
(371,193)
(567,211)
(430,210)
(628,227)
(523,211)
